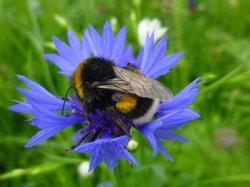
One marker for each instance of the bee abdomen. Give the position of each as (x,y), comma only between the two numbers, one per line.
(125,103)
(144,110)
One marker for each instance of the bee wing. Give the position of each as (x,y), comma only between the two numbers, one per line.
(135,83)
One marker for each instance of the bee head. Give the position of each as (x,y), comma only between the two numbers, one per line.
(97,70)
(91,70)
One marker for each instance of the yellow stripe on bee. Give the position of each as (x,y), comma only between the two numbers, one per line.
(78,79)
(127,103)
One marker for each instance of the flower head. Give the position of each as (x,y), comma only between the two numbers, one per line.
(101,135)
(107,149)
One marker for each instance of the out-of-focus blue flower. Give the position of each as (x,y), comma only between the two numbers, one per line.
(102,138)
(105,184)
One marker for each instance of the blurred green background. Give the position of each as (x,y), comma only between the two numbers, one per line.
(215,37)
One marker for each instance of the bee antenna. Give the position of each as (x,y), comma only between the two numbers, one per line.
(65,98)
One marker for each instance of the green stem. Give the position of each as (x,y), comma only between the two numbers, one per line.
(221,81)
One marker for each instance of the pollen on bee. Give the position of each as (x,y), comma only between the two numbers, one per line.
(127,103)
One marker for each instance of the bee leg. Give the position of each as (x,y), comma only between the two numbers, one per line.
(131,67)
(86,109)
(78,142)
(87,135)
(115,117)
(96,134)
(89,120)
(86,112)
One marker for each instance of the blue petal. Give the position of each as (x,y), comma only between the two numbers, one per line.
(33,85)
(169,135)
(126,155)
(66,67)
(110,155)
(64,50)
(39,95)
(50,124)
(163,150)
(119,45)
(182,100)
(108,40)
(126,57)
(107,149)
(44,118)
(138,61)
(147,55)
(34,96)
(75,45)
(109,46)
(178,118)
(96,158)
(85,47)
(90,147)
(42,135)
(121,140)
(191,86)
(160,49)
(151,60)
(156,55)
(160,129)
(74,42)
(95,41)
(148,131)
(21,107)
(164,65)
(69,56)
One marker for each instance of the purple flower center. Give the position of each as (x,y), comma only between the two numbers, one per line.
(100,125)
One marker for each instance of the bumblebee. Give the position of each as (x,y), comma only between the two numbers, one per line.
(101,85)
